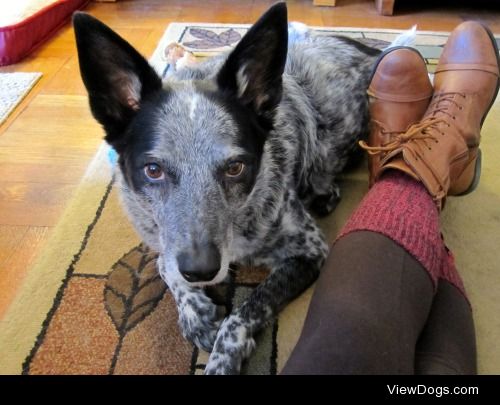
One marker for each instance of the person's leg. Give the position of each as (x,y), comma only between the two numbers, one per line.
(374,296)
(367,311)
(375,292)
(448,343)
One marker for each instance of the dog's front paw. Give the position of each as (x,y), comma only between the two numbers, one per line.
(233,345)
(199,322)
(323,205)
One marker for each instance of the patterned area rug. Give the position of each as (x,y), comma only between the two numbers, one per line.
(13,88)
(94,303)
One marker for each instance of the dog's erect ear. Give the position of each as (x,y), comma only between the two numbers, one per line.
(116,76)
(253,71)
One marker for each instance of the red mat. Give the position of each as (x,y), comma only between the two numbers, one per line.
(27,24)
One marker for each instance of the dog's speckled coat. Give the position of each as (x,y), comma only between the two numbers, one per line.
(292,113)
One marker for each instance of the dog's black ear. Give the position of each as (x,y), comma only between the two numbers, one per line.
(116,76)
(253,71)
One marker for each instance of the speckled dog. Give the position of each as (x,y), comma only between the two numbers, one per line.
(221,162)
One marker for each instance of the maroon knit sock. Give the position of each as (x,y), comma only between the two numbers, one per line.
(400,208)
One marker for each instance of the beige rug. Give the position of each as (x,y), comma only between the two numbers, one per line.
(94,304)
(13,88)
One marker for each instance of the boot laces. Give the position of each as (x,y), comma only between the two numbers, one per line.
(427,130)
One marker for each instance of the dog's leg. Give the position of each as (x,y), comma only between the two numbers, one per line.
(324,204)
(295,267)
(323,193)
(198,318)
(235,337)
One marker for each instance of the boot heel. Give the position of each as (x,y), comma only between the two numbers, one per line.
(475,178)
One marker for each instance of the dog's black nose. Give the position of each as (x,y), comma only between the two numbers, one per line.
(201,263)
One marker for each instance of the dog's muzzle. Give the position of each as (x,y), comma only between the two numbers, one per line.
(200,263)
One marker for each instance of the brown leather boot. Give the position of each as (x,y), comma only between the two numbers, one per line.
(400,92)
(442,150)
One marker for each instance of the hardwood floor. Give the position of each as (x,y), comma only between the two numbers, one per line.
(47,143)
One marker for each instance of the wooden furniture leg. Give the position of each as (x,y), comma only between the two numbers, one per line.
(385,7)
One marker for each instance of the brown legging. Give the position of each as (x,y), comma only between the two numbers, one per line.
(375,311)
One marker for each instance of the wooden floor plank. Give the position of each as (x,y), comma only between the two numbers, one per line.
(10,237)
(47,66)
(41,172)
(14,268)
(37,204)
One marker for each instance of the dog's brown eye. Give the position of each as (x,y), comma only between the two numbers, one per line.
(153,171)
(234,169)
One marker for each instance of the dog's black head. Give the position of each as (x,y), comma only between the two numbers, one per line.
(190,152)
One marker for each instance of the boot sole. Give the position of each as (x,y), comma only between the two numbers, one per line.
(477,172)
